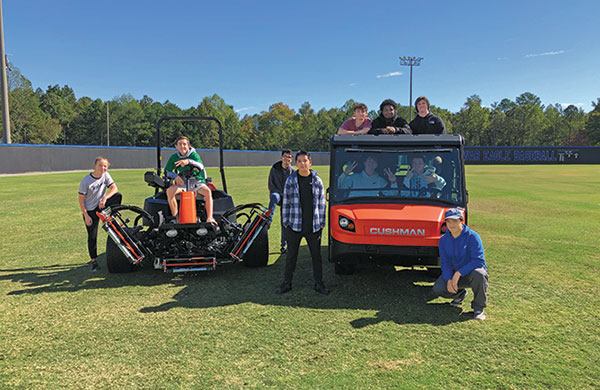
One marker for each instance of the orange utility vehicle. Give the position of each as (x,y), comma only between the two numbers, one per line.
(388,195)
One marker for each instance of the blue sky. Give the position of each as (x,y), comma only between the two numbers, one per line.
(256,53)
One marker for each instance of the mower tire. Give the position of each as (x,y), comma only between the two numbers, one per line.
(258,254)
(116,262)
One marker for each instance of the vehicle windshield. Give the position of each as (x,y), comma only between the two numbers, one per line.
(398,173)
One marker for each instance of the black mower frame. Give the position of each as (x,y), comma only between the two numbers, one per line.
(184,247)
(190,119)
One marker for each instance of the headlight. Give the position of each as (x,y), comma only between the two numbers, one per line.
(346,224)
(202,231)
(171,233)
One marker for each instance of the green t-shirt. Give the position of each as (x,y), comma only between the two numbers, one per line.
(192,156)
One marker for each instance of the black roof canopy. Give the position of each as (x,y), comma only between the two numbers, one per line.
(392,140)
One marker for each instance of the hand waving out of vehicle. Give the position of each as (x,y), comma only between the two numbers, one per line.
(390,175)
(350,168)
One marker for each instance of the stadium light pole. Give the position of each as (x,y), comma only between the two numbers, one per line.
(410,61)
(4,81)
(107,123)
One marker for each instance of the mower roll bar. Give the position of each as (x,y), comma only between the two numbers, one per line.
(191,119)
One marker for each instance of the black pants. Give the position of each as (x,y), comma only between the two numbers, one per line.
(92,230)
(293,245)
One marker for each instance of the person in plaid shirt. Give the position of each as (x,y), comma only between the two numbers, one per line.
(303,213)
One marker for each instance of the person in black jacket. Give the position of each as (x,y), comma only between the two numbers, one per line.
(425,122)
(279,173)
(388,121)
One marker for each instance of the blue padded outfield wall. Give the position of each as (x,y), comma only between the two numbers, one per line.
(532,155)
(20,158)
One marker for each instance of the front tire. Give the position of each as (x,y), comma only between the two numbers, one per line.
(344,269)
(434,272)
(258,254)
(116,262)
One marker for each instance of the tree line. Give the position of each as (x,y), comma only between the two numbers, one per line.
(56,116)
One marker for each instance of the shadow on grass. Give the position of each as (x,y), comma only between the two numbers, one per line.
(397,296)
(75,277)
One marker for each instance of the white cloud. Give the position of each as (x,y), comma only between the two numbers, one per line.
(352,84)
(565,105)
(245,109)
(391,74)
(502,58)
(547,53)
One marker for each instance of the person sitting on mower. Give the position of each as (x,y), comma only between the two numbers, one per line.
(93,197)
(367,182)
(185,159)
(421,176)
(358,124)
(388,121)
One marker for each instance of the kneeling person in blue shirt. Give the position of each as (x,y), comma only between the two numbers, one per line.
(463,264)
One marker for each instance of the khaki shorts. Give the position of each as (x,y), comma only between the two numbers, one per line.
(195,185)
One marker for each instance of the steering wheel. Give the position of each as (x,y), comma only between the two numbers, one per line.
(190,173)
(125,213)
(436,192)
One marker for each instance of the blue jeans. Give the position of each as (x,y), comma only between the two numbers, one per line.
(275,199)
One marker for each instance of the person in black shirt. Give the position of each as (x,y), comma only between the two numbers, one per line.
(279,173)
(425,122)
(303,210)
(306,201)
(388,121)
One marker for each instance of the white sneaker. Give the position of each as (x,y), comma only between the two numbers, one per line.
(479,315)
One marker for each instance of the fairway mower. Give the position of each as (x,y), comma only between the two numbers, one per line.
(151,236)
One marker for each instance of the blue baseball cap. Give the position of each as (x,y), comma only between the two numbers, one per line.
(454,214)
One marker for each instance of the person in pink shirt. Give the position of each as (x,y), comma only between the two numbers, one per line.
(358,124)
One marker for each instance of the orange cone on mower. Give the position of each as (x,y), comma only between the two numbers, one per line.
(187,212)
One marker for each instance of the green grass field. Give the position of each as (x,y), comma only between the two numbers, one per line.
(65,327)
